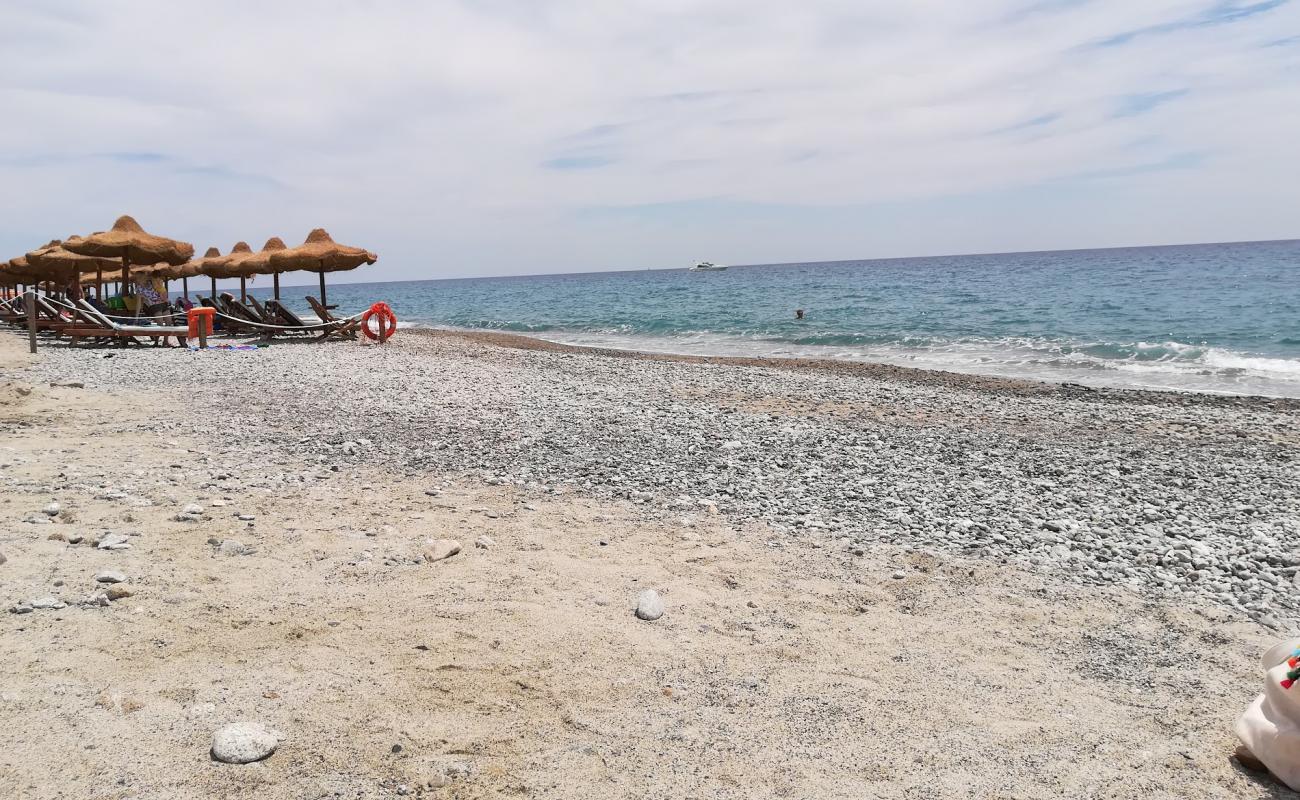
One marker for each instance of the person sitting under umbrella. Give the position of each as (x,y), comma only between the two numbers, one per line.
(153,300)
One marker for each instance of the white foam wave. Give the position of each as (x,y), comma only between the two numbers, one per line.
(1164,365)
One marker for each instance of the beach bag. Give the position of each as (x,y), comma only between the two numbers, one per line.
(1271,725)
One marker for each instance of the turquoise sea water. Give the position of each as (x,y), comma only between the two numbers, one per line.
(1217,318)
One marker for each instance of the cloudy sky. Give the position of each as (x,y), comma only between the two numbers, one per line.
(492,137)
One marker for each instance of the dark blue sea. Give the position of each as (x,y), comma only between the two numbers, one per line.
(1212,318)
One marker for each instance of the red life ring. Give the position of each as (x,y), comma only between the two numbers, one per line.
(387,323)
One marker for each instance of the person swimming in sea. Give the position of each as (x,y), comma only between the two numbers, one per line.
(798,313)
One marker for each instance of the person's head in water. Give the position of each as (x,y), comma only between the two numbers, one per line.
(798,313)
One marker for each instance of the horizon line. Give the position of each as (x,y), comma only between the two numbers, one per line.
(827,261)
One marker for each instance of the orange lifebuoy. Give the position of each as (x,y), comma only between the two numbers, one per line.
(387,323)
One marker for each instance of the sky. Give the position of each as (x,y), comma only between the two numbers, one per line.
(495,137)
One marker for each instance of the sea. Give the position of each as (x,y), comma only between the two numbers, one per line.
(1221,318)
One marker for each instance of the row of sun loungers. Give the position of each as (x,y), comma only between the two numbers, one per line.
(81,321)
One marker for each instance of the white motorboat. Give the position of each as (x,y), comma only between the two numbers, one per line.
(707,266)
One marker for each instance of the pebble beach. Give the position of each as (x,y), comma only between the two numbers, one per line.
(833,550)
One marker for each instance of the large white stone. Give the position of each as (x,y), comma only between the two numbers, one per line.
(649,606)
(244,742)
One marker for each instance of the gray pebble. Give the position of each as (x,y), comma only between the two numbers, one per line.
(113,541)
(441,549)
(231,547)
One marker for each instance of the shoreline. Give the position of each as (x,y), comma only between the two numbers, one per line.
(916,376)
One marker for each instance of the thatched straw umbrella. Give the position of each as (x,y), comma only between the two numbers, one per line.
(228,266)
(57,257)
(34,270)
(183,272)
(243,263)
(16,271)
(129,242)
(321,254)
(223,266)
(259,263)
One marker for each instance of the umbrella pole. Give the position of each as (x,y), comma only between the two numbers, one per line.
(243,292)
(276,280)
(324,303)
(185,288)
(214,291)
(126,275)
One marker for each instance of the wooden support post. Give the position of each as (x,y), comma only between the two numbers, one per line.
(323,301)
(276,280)
(203,331)
(243,289)
(185,288)
(30,303)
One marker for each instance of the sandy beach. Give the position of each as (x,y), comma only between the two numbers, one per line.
(877,582)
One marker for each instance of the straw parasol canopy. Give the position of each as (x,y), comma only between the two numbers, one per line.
(33,269)
(227,266)
(259,263)
(242,263)
(57,256)
(190,269)
(129,242)
(16,270)
(321,254)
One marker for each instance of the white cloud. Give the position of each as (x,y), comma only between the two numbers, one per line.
(498,131)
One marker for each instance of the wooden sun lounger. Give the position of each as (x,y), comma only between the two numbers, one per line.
(232,318)
(287,322)
(49,319)
(346,328)
(261,313)
(94,324)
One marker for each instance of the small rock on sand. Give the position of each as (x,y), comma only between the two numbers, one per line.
(53,509)
(48,602)
(484,542)
(118,592)
(113,541)
(2,558)
(440,549)
(110,576)
(649,606)
(244,742)
(231,547)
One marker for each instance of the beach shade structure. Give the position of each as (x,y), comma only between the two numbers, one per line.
(223,266)
(130,243)
(59,259)
(321,254)
(243,263)
(182,272)
(38,271)
(16,271)
(260,263)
